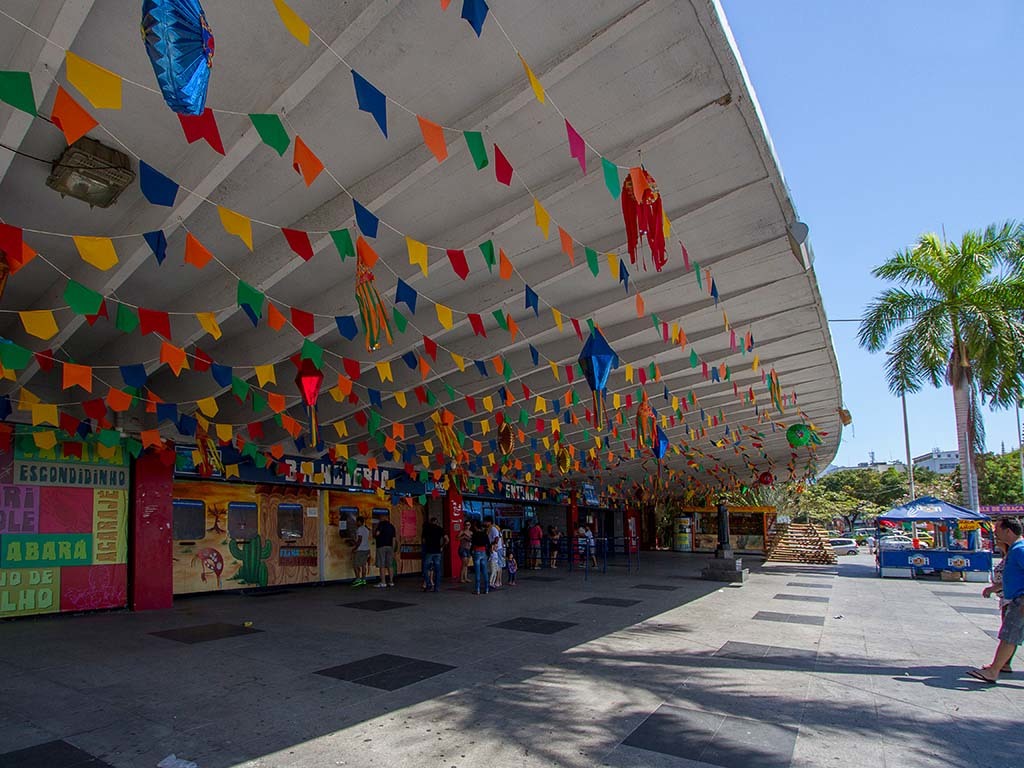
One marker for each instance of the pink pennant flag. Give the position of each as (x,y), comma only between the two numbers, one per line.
(577,147)
(502,167)
(686,256)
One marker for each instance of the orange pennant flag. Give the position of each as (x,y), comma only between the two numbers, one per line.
(71,117)
(639,305)
(567,246)
(151,438)
(118,400)
(77,375)
(276,401)
(433,137)
(274,317)
(344,385)
(640,184)
(196,253)
(174,357)
(305,162)
(504,265)
(365,252)
(513,329)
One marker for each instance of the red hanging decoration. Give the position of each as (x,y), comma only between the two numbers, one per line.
(308,380)
(766,478)
(643,215)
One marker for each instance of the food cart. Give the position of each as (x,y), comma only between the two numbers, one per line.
(975,564)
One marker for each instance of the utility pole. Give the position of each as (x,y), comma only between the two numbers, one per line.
(906,438)
(1020,448)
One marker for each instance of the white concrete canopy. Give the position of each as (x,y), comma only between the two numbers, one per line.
(657,77)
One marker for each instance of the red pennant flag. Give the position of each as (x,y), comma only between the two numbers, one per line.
(73,448)
(576,325)
(577,147)
(502,167)
(303,321)
(10,242)
(421,394)
(154,321)
(471,403)
(360,418)
(351,368)
(91,319)
(68,423)
(430,347)
(526,392)
(95,409)
(477,324)
(256,430)
(202,361)
(298,241)
(459,265)
(72,119)
(45,360)
(204,127)
(569,375)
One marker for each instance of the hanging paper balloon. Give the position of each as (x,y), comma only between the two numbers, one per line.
(643,215)
(660,443)
(798,435)
(564,460)
(180,47)
(506,439)
(308,379)
(766,478)
(597,359)
(371,308)
(645,425)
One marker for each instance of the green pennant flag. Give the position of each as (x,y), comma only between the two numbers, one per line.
(590,324)
(249,449)
(250,297)
(451,392)
(351,465)
(16,90)
(611,178)
(82,300)
(524,417)
(461,437)
(506,370)
(655,321)
(373,422)
(693,358)
(586,435)
(487,249)
(259,401)
(313,351)
(475,142)
(579,369)
(575,398)
(260,460)
(652,371)
(422,498)
(109,438)
(696,271)
(379,437)
(127,319)
(728,373)
(431,397)
(592,261)
(400,320)
(423,476)
(14,357)
(240,388)
(343,242)
(271,131)
(499,315)
(134,447)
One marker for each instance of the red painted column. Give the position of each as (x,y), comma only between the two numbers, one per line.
(454,521)
(151,584)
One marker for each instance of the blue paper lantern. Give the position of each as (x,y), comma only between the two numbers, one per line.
(660,444)
(598,360)
(180,46)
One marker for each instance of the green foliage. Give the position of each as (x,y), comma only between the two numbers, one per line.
(856,496)
(251,553)
(999,478)
(881,488)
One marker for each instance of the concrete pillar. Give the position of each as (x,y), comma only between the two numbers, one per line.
(724,544)
(151,584)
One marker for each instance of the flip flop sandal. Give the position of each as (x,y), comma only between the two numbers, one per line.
(977,675)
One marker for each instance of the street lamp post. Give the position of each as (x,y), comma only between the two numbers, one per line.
(906,439)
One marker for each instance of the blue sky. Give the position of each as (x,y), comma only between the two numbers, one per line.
(889,119)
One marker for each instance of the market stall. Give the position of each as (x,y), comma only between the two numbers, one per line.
(948,554)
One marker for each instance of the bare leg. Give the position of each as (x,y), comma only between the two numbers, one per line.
(1004,652)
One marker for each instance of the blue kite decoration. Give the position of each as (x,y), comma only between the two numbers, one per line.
(660,444)
(598,360)
(180,46)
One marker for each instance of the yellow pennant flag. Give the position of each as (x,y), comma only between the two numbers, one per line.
(47,440)
(428,445)
(341,450)
(44,413)
(384,371)
(400,399)
(629,373)
(417,253)
(39,323)
(209,322)
(539,405)
(756,363)
(224,432)
(26,400)
(613,264)
(489,403)
(98,251)
(426,461)
(554,426)
(485,426)
(541,218)
(460,363)
(546,441)
(293,22)
(538,89)
(616,401)
(725,320)
(208,405)
(341,428)
(100,86)
(265,374)
(667,225)
(444,316)
(558,317)
(230,470)
(236,224)
(554,369)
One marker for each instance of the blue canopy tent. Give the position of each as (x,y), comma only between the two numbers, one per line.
(902,563)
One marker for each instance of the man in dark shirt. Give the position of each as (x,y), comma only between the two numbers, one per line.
(385,538)
(434,540)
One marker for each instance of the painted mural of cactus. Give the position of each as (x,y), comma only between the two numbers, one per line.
(251,553)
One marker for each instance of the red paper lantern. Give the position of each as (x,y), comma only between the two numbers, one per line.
(766,478)
(308,380)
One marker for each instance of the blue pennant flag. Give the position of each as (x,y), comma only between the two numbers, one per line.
(221,374)
(347,326)
(157,242)
(134,375)
(300,443)
(421,430)
(714,291)
(365,219)
(409,358)
(5,407)
(623,274)
(405,293)
(467,425)
(187,425)
(531,301)
(167,412)
(534,354)
(251,314)
(481,366)
(157,188)
(374,397)
(372,100)
(475,12)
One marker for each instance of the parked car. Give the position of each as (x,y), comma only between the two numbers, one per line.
(844,546)
(896,541)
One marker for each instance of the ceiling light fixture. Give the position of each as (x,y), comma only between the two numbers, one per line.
(91,172)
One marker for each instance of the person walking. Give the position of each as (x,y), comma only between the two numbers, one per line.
(434,541)
(480,546)
(996,588)
(1011,633)
(534,534)
(385,538)
(465,552)
(361,553)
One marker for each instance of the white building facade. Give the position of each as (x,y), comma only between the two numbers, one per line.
(942,462)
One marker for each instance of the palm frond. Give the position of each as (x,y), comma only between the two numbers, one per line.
(892,309)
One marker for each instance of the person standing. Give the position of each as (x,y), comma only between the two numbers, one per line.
(497,552)
(385,538)
(1011,633)
(555,536)
(361,553)
(434,541)
(513,568)
(533,536)
(480,546)
(465,552)
(588,535)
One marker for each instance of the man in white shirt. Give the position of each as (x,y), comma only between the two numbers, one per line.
(361,553)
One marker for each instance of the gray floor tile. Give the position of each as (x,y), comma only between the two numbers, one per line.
(808,585)
(52,754)
(789,618)
(676,731)
(614,602)
(376,605)
(536,626)
(977,609)
(386,671)
(656,587)
(801,598)
(204,633)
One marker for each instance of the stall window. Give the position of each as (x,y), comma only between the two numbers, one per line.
(189,519)
(289,521)
(243,520)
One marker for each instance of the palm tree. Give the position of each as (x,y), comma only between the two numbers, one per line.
(955,316)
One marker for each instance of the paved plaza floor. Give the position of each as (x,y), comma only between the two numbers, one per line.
(802,666)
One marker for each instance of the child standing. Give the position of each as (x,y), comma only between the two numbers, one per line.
(513,568)
(495,580)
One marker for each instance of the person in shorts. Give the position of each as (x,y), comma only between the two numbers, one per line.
(1011,633)
(534,534)
(361,553)
(385,539)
